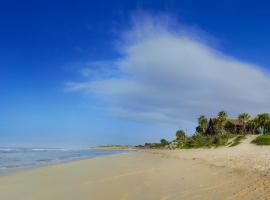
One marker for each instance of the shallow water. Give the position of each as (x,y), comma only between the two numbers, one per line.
(12,159)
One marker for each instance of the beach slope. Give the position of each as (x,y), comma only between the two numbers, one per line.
(148,175)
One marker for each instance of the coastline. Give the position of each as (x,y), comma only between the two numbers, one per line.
(95,153)
(148,174)
(115,148)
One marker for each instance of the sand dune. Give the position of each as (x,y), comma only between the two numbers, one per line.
(226,173)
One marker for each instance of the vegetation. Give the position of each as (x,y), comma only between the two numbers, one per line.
(113,147)
(222,115)
(164,142)
(217,131)
(203,124)
(237,140)
(199,141)
(262,140)
(180,135)
(263,122)
(153,145)
(243,119)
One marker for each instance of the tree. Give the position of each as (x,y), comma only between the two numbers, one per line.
(164,142)
(217,122)
(243,118)
(211,127)
(251,126)
(200,130)
(180,135)
(267,127)
(203,124)
(262,121)
(222,116)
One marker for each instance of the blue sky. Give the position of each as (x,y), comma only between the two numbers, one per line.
(81,73)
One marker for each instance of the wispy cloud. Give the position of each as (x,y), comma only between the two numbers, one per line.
(166,74)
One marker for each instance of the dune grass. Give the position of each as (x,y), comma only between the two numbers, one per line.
(200,141)
(262,140)
(237,140)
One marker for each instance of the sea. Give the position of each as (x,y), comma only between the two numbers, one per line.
(12,159)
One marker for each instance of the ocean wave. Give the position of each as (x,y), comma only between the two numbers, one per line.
(9,150)
(20,158)
(16,150)
(48,149)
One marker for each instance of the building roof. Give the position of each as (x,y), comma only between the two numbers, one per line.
(233,121)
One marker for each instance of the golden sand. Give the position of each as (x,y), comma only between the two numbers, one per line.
(150,175)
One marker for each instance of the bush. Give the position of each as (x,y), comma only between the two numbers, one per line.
(199,140)
(262,140)
(221,140)
(164,142)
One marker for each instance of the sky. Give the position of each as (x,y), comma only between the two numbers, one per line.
(84,73)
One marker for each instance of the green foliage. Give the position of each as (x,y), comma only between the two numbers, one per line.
(180,135)
(217,125)
(262,140)
(199,130)
(263,122)
(160,145)
(203,124)
(153,145)
(251,126)
(222,115)
(199,141)
(243,119)
(217,131)
(237,140)
(164,142)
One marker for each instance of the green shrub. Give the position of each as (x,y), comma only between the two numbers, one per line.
(164,142)
(262,140)
(199,140)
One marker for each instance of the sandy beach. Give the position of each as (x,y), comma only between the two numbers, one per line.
(239,172)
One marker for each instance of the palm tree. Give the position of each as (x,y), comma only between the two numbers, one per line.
(180,135)
(222,116)
(218,125)
(252,125)
(262,121)
(243,118)
(203,123)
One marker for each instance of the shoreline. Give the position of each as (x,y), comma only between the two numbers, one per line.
(148,174)
(29,168)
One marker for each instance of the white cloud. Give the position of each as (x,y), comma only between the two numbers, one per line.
(166,75)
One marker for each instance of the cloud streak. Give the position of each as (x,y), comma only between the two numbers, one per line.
(166,74)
